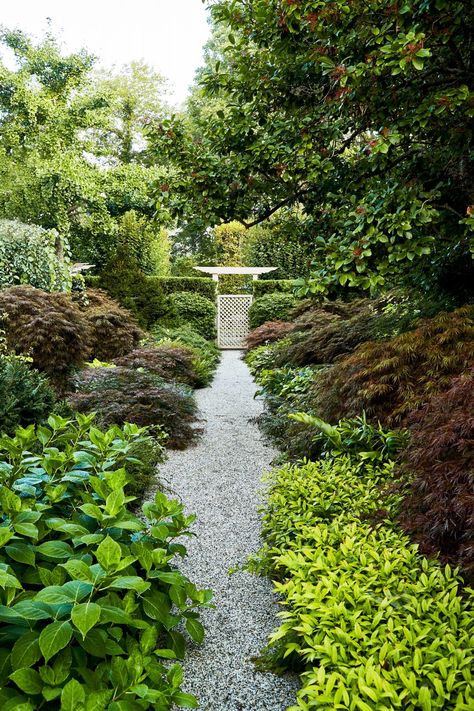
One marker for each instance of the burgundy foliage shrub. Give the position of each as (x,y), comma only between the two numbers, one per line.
(122,394)
(49,327)
(439,509)
(269,332)
(169,362)
(114,330)
(390,379)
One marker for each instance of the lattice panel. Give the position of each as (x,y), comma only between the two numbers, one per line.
(233,320)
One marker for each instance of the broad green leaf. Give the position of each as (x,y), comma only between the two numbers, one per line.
(195,629)
(57,550)
(85,616)
(108,553)
(26,651)
(28,680)
(54,637)
(72,696)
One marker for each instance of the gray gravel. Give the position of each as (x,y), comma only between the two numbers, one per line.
(219,480)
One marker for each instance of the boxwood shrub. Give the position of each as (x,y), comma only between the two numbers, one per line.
(195,311)
(272,286)
(369,621)
(26,396)
(271,307)
(92,607)
(197,285)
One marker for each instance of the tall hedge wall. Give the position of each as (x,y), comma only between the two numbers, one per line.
(272,286)
(204,286)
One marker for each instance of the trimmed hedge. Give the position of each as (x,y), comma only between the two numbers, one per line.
(271,307)
(203,286)
(195,311)
(272,286)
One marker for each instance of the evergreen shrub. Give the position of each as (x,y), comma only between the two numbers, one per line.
(261,287)
(26,396)
(203,286)
(271,307)
(195,311)
(368,620)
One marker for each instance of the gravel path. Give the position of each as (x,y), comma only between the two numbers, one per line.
(219,480)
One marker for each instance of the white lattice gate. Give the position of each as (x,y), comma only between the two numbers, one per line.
(232,320)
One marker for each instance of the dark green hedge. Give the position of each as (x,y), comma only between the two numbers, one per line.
(204,286)
(272,286)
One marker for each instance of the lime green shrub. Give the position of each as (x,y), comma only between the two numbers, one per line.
(371,623)
(195,311)
(271,307)
(90,601)
(32,255)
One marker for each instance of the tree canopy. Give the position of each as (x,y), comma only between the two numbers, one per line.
(359,111)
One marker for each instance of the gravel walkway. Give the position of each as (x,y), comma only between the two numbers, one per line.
(219,480)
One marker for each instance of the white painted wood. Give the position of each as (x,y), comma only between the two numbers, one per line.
(233,320)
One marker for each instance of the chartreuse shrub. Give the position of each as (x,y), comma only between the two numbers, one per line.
(196,312)
(271,307)
(25,395)
(92,608)
(32,255)
(369,621)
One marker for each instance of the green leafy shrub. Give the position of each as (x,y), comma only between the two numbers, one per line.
(268,332)
(114,331)
(439,508)
(286,383)
(271,307)
(197,285)
(207,354)
(195,311)
(170,362)
(90,601)
(370,622)
(121,395)
(389,379)
(261,287)
(354,436)
(49,327)
(141,295)
(32,255)
(26,397)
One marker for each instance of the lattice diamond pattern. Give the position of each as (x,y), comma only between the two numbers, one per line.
(233,320)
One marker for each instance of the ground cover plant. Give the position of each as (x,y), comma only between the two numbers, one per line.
(125,394)
(369,622)
(91,601)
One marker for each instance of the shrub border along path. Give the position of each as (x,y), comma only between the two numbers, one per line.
(219,480)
